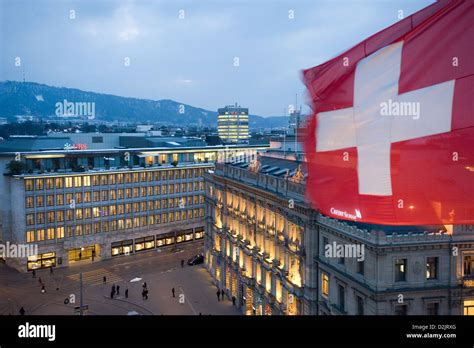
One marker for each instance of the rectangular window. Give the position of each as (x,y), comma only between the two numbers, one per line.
(50,233)
(432,308)
(432,268)
(29,185)
(60,199)
(87,197)
(120,178)
(341,297)
(49,184)
(30,219)
(104,180)
(87,180)
(105,195)
(77,181)
(68,182)
(60,215)
(60,232)
(29,202)
(50,216)
(30,236)
(95,180)
(400,270)
(360,267)
(401,310)
(112,194)
(59,183)
(39,183)
(39,201)
(325,284)
(40,235)
(79,230)
(360,305)
(50,200)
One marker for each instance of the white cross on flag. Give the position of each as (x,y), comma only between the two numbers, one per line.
(391,140)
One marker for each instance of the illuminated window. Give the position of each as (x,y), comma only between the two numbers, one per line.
(29,202)
(68,182)
(104,180)
(60,232)
(49,184)
(30,219)
(30,236)
(77,181)
(95,180)
(50,233)
(60,215)
(50,216)
(59,199)
(79,214)
(39,201)
(87,213)
(325,284)
(50,200)
(87,197)
(432,268)
(87,180)
(400,270)
(39,184)
(29,185)
(40,235)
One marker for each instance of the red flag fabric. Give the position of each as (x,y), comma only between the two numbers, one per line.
(391,138)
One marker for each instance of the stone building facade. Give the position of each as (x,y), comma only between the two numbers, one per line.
(276,255)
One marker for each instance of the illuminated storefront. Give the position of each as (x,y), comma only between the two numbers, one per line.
(84,253)
(144,243)
(45,260)
(122,248)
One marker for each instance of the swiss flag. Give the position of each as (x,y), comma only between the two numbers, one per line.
(391,140)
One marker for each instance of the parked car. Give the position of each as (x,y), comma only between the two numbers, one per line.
(196,260)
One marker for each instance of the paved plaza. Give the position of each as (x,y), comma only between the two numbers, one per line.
(162,271)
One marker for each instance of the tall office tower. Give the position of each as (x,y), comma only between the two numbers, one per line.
(233,124)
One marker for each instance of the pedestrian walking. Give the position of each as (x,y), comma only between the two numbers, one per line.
(146,294)
(112,293)
(172,290)
(126,293)
(113,288)
(222,294)
(40,281)
(143,294)
(80,256)
(34,274)
(105,280)
(22,311)
(218,295)
(144,285)
(118,290)
(233,300)
(182,263)
(51,270)
(43,289)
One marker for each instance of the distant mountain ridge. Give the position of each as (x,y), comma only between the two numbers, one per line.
(30,98)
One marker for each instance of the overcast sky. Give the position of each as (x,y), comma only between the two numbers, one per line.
(192,59)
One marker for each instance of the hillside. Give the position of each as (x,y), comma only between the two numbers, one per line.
(29,98)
